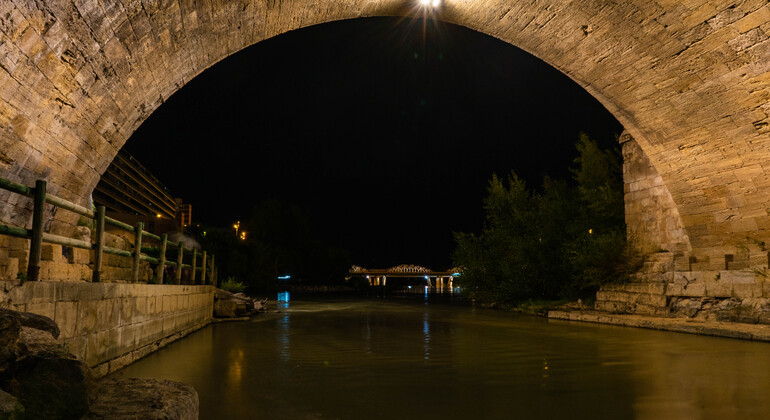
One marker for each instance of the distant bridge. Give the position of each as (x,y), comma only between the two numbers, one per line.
(379,276)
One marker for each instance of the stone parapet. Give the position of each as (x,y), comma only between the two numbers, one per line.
(109,325)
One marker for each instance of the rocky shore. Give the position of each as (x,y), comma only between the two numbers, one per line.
(40,379)
(236,305)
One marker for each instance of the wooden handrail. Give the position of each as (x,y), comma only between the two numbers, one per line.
(38,237)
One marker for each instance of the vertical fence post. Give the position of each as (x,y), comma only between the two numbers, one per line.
(137,251)
(203,269)
(162,258)
(36,242)
(212,277)
(99,245)
(194,265)
(179,262)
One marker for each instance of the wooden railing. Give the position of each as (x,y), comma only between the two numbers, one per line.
(37,237)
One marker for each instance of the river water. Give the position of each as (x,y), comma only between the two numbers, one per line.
(380,359)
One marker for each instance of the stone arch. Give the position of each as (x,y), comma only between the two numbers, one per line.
(688,80)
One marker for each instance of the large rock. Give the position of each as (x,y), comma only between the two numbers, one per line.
(146,399)
(38,322)
(48,381)
(229,305)
(10,330)
(10,408)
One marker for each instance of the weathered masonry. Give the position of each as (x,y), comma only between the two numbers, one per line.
(689,80)
(109,325)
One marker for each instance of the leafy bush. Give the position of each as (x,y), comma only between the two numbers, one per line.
(232,286)
(562,242)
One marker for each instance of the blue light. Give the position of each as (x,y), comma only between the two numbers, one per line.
(286,277)
(426,277)
(283,297)
(455,274)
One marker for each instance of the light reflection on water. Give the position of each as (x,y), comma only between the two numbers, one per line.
(378,359)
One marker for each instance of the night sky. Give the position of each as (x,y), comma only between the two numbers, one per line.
(385,130)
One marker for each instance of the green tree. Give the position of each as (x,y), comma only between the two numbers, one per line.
(564,241)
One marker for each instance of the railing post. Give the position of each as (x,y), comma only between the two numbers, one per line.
(99,245)
(36,242)
(137,251)
(179,262)
(194,265)
(203,269)
(212,277)
(162,258)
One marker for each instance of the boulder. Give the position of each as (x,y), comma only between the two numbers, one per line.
(10,330)
(38,322)
(147,399)
(10,407)
(46,372)
(229,305)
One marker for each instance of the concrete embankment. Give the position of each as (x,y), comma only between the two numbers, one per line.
(755,332)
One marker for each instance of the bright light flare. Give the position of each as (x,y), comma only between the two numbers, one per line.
(430,3)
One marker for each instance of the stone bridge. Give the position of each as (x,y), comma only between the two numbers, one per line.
(688,79)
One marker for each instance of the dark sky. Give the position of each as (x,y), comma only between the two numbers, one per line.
(385,130)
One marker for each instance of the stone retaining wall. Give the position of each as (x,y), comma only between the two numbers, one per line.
(110,325)
(739,295)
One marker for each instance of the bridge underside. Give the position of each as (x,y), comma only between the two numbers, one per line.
(689,80)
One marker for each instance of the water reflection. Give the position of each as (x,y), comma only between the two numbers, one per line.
(426,335)
(351,360)
(235,370)
(284,326)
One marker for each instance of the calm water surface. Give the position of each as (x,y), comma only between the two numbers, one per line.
(397,360)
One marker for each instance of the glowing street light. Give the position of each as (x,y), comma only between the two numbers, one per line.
(243,235)
(237,226)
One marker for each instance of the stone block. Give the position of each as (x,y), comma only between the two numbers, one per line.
(88,317)
(694,290)
(165,304)
(52,252)
(81,256)
(719,289)
(109,313)
(153,329)
(128,339)
(169,324)
(743,291)
(739,277)
(102,346)
(66,316)
(152,305)
(11,269)
(42,308)
(76,345)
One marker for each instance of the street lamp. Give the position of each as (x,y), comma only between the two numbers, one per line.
(237,226)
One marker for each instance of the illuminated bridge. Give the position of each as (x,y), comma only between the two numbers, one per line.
(438,280)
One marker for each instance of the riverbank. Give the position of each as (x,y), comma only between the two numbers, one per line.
(755,332)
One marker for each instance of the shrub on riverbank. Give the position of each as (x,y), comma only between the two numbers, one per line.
(231,285)
(563,241)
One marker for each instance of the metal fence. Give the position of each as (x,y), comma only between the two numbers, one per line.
(37,237)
